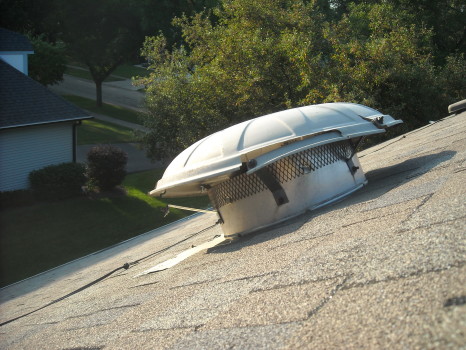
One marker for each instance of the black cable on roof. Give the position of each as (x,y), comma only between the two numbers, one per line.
(126,266)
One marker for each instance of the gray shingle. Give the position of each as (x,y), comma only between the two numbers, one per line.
(12,41)
(24,102)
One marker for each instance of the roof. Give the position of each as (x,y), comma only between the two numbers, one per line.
(25,102)
(383,268)
(265,140)
(12,41)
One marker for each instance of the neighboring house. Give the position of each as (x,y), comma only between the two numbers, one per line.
(14,49)
(37,127)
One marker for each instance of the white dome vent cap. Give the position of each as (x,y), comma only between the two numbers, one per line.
(266,139)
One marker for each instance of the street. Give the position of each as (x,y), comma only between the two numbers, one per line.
(118,93)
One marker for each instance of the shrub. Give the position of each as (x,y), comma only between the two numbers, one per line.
(106,166)
(58,181)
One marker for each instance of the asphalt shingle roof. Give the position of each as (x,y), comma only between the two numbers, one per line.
(12,41)
(384,268)
(24,101)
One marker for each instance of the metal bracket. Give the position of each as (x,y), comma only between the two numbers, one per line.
(166,210)
(355,146)
(353,168)
(377,120)
(273,185)
(349,161)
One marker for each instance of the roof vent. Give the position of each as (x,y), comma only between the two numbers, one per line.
(268,169)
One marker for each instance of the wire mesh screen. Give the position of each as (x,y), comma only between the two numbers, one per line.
(284,170)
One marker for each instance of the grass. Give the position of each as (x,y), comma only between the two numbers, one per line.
(124,71)
(93,132)
(128,71)
(84,74)
(44,235)
(106,109)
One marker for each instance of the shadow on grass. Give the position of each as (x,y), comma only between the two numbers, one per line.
(40,237)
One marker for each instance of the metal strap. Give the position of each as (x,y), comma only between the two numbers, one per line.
(273,185)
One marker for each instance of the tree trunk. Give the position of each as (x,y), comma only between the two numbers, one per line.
(98,91)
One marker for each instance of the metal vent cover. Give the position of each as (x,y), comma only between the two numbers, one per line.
(284,170)
(270,168)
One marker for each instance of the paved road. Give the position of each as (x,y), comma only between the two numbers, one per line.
(119,93)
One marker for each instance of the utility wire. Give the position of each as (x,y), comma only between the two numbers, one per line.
(126,266)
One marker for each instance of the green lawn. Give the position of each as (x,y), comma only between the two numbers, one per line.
(125,71)
(94,131)
(129,71)
(44,235)
(106,109)
(84,74)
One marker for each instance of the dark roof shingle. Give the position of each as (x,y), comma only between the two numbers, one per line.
(25,102)
(12,41)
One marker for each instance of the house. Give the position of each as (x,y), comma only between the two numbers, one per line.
(14,49)
(37,127)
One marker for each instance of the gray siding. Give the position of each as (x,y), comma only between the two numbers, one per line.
(29,148)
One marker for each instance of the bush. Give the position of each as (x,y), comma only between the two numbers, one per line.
(106,166)
(58,181)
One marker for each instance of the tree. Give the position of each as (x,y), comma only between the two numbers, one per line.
(48,63)
(102,34)
(106,33)
(445,18)
(248,58)
(384,57)
(33,17)
(237,62)
(157,16)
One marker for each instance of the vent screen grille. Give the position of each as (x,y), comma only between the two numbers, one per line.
(284,170)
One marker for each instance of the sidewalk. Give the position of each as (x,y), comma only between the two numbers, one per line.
(126,124)
(126,84)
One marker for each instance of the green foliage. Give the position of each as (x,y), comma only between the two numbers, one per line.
(445,18)
(382,60)
(453,77)
(106,166)
(238,63)
(48,63)
(157,16)
(102,34)
(58,181)
(111,35)
(30,17)
(248,58)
